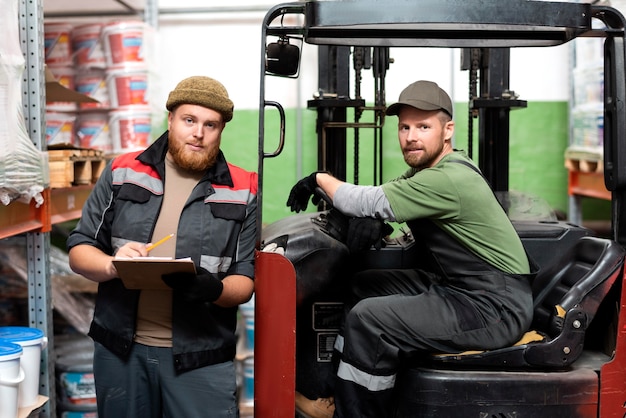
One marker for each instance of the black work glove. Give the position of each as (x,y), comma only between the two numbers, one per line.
(200,287)
(365,232)
(302,191)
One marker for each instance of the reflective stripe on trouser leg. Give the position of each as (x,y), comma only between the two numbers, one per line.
(354,400)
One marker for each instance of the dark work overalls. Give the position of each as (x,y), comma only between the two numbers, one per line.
(453,302)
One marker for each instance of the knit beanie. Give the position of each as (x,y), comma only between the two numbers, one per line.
(202,91)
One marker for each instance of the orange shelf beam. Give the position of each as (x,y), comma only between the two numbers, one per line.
(60,205)
(18,218)
(588,184)
(66,204)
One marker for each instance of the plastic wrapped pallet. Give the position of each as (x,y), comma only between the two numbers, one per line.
(23,168)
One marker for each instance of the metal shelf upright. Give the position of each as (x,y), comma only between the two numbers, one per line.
(59,205)
(37,243)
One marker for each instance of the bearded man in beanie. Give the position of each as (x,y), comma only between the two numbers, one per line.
(470,289)
(167,348)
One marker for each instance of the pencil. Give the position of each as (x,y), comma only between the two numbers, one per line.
(159,242)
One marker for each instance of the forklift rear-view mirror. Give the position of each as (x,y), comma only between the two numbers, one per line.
(282,58)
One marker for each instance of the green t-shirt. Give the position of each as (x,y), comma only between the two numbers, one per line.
(461,203)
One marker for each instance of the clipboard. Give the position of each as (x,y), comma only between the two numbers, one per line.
(145,272)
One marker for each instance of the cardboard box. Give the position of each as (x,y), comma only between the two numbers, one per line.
(56,92)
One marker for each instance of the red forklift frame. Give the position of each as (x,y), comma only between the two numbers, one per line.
(433,23)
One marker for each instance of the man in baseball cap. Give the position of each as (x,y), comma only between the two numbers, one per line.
(165,347)
(424,95)
(469,290)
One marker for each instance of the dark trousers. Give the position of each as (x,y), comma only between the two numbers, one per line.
(147,386)
(397,314)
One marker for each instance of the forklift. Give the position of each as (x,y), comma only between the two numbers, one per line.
(572,362)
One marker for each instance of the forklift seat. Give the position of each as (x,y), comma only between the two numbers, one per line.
(566,296)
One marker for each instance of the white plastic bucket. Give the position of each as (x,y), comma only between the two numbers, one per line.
(11,375)
(92,131)
(60,128)
(87,46)
(130,129)
(127,86)
(124,43)
(93,84)
(32,341)
(57,44)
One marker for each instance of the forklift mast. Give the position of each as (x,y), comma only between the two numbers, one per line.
(491,26)
(485,30)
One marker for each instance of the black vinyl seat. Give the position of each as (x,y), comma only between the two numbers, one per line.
(566,295)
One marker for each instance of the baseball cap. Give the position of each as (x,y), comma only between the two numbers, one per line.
(424,95)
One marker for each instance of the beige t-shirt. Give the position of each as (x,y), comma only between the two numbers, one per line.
(154,314)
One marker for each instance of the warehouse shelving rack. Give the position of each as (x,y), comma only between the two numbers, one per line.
(60,205)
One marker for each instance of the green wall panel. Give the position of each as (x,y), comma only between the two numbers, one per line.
(538,139)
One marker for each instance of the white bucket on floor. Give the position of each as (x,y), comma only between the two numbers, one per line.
(32,341)
(11,375)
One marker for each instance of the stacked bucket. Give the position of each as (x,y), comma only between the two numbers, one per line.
(60,116)
(20,358)
(108,62)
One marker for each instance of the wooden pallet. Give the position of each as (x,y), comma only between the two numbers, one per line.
(584,159)
(69,167)
(586,166)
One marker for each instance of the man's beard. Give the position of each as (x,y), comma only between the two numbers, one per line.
(193,161)
(426,159)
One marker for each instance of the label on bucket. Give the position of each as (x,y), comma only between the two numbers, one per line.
(78,388)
